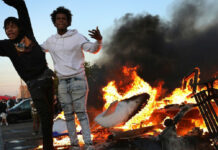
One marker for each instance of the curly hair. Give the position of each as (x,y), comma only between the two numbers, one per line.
(12,20)
(16,21)
(61,10)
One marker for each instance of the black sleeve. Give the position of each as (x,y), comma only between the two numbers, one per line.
(22,14)
(2,48)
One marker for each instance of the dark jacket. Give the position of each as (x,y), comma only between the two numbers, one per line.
(3,107)
(29,65)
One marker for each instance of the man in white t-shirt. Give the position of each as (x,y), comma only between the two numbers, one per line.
(66,49)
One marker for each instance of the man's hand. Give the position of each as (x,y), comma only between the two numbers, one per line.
(95,34)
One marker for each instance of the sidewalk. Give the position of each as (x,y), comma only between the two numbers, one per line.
(18,137)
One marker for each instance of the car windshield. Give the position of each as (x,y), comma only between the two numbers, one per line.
(25,104)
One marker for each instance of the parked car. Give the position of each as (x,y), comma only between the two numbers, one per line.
(20,111)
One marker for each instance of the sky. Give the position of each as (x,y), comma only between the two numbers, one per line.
(86,15)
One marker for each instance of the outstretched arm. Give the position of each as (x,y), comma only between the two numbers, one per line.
(23,15)
(182,112)
(94,47)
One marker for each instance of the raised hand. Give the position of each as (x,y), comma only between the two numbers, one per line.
(95,34)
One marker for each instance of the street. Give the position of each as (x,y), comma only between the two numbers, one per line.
(18,137)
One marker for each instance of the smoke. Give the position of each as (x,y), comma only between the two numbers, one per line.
(166,50)
(163,50)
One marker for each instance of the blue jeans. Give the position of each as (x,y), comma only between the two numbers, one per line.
(73,94)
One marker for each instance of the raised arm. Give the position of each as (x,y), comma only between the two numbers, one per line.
(182,112)
(94,47)
(23,15)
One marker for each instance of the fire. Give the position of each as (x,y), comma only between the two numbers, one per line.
(179,96)
(60,116)
(135,86)
(65,140)
(215,85)
(138,86)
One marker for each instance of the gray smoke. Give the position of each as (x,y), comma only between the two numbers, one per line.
(166,50)
(163,50)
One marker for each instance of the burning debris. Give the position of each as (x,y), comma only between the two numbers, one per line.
(168,138)
(143,123)
(138,139)
(120,112)
(189,142)
(205,100)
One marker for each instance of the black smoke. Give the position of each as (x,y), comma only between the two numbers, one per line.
(163,50)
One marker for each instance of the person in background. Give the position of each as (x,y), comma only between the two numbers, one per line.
(3,112)
(66,48)
(29,61)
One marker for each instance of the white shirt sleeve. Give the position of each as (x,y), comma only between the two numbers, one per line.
(45,46)
(92,47)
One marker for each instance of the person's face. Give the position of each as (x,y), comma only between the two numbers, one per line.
(12,31)
(61,22)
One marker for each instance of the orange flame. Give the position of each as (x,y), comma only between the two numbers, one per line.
(138,86)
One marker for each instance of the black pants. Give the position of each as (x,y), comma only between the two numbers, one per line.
(42,95)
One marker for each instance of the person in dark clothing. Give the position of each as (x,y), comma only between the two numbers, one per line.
(1,106)
(3,113)
(29,61)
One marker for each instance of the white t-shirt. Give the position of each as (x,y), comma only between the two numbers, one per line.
(67,52)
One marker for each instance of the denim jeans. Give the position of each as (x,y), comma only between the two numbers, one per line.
(42,95)
(72,94)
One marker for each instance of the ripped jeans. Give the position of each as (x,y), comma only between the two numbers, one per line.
(73,94)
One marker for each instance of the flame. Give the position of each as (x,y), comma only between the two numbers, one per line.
(60,116)
(65,140)
(138,86)
(134,86)
(179,96)
(215,85)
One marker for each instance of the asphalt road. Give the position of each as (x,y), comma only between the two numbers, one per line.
(18,137)
(1,140)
